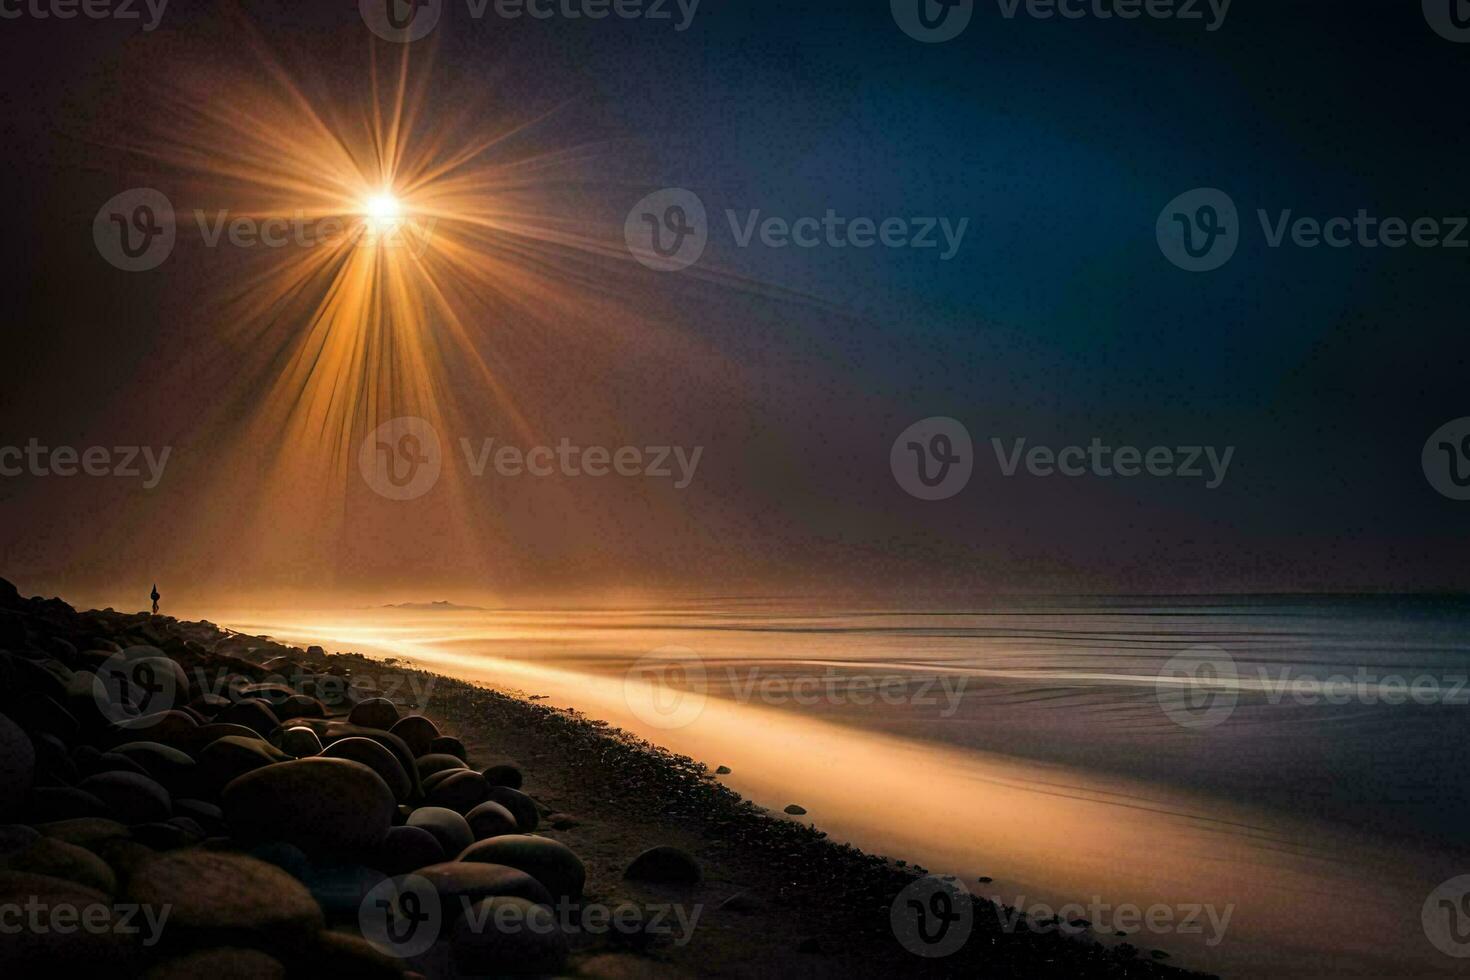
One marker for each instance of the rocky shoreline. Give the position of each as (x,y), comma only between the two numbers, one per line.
(178,799)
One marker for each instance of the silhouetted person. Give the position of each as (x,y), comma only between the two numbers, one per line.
(155,598)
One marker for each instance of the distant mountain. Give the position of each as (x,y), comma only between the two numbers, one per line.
(440,606)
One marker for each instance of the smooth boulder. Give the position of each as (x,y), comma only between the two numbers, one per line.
(418,731)
(664,865)
(374,713)
(131,798)
(490,819)
(223,899)
(461,790)
(548,861)
(518,803)
(505,775)
(459,883)
(372,754)
(17,768)
(323,806)
(449,828)
(507,935)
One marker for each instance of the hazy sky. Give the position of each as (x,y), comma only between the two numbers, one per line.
(1057,319)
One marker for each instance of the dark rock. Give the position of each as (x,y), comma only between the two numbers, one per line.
(340,888)
(88,832)
(226,759)
(288,857)
(503,776)
(169,727)
(50,952)
(324,806)
(374,713)
(448,745)
(227,899)
(197,739)
(416,730)
(54,764)
(169,835)
(14,836)
(332,730)
(166,764)
(17,768)
(58,859)
(300,706)
(301,742)
(372,754)
(449,828)
(52,803)
(207,815)
(131,798)
(665,865)
(227,963)
(438,762)
(112,762)
(459,883)
(252,713)
(461,790)
(210,705)
(342,954)
(794,810)
(722,771)
(548,861)
(406,849)
(517,936)
(429,782)
(519,804)
(491,820)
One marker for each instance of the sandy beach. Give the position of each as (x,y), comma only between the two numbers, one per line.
(263,844)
